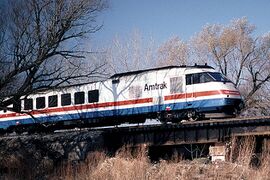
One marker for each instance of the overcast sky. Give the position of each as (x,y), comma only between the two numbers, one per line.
(162,19)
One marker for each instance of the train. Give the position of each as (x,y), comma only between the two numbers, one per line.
(169,94)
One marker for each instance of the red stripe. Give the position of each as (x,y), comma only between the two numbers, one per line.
(127,102)
(228,92)
(201,94)
(82,107)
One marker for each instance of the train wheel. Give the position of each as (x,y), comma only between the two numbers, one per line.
(162,118)
(19,130)
(192,115)
(2,131)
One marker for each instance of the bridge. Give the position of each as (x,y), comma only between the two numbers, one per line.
(217,132)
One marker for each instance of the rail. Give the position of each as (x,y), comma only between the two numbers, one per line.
(210,131)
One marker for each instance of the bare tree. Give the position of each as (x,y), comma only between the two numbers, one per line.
(40,45)
(238,54)
(131,53)
(173,52)
(136,52)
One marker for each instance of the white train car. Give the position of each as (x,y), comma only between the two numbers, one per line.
(168,93)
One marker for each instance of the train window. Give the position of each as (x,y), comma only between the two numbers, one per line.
(204,77)
(93,96)
(28,104)
(188,79)
(40,102)
(115,81)
(53,101)
(216,76)
(17,106)
(135,92)
(176,85)
(79,97)
(198,78)
(65,99)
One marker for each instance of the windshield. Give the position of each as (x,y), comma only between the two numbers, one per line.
(218,77)
(205,77)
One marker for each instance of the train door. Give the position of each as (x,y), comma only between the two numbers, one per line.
(190,91)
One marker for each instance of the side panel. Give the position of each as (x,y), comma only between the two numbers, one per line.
(137,94)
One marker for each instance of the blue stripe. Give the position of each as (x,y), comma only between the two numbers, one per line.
(200,105)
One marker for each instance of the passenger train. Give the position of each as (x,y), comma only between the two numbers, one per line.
(170,94)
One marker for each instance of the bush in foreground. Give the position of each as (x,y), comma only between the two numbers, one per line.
(136,165)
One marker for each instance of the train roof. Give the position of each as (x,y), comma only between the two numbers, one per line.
(159,68)
(118,75)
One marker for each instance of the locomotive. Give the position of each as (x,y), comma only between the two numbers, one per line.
(169,94)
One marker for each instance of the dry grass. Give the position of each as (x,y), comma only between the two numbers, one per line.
(133,164)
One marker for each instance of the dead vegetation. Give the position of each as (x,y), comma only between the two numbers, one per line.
(134,164)
(129,165)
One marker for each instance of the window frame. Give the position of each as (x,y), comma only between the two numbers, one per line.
(17,105)
(40,102)
(176,85)
(198,78)
(93,96)
(51,99)
(26,104)
(79,97)
(66,99)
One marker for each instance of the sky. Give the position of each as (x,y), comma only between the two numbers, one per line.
(163,19)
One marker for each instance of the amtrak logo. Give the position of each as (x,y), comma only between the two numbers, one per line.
(155,86)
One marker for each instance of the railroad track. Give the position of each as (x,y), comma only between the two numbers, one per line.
(231,122)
